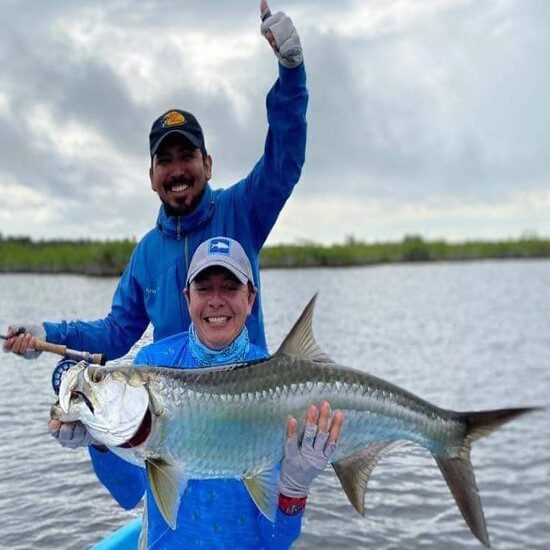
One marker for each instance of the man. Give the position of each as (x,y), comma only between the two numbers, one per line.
(215,513)
(192,212)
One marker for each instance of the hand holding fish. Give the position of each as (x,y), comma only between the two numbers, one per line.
(280,32)
(70,435)
(304,461)
(21,339)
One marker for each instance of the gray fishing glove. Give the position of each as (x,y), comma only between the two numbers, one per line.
(303,463)
(37,331)
(287,47)
(73,435)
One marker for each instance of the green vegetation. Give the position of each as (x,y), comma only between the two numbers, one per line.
(21,254)
(410,249)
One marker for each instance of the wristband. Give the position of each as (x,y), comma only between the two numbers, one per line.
(291,506)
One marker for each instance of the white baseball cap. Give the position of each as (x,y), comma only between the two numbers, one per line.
(223,252)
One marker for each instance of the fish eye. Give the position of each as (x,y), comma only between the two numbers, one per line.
(97,375)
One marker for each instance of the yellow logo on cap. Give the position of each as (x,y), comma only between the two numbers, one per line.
(173,118)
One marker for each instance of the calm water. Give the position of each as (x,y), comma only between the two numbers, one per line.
(465,336)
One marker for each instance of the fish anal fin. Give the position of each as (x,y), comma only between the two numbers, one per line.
(459,475)
(300,341)
(354,471)
(167,484)
(263,489)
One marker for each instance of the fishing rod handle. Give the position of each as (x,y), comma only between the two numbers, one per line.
(95,358)
(59,349)
(42,345)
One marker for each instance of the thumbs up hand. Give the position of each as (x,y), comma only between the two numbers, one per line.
(283,37)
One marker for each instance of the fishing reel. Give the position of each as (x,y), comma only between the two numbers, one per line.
(62,367)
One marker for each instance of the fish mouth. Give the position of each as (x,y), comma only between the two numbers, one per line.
(68,387)
(87,402)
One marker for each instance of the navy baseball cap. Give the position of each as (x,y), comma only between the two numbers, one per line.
(176,121)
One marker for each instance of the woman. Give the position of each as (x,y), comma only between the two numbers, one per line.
(217,513)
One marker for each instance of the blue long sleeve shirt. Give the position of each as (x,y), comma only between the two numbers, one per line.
(215,513)
(150,289)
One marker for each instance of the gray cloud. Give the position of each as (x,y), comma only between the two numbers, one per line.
(457,106)
(409,101)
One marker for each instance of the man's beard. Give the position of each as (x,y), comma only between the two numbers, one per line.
(185,210)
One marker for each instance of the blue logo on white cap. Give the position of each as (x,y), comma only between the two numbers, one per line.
(219,246)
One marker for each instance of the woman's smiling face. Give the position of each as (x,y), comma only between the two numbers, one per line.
(219,305)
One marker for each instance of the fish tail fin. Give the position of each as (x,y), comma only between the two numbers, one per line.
(458,472)
(479,424)
(460,478)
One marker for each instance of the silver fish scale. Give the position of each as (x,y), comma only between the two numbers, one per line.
(230,421)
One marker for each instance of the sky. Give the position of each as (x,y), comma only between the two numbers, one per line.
(426,117)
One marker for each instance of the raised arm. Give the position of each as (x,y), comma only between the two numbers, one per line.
(265,190)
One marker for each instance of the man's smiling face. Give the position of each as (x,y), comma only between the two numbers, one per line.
(179,174)
(219,305)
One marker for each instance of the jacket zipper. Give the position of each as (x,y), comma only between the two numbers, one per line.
(187,253)
(182,294)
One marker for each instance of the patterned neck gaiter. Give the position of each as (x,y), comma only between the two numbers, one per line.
(235,352)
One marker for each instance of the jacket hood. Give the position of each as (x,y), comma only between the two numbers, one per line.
(179,226)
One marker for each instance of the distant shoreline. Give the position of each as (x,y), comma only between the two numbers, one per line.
(108,259)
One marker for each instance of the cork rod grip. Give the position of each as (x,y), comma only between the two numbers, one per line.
(59,349)
(41,345)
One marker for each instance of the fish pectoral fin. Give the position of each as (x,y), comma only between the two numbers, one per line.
(354,471)
(300,340)
(263,489)
(167,484)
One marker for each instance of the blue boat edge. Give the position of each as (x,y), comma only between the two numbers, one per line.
(125,538)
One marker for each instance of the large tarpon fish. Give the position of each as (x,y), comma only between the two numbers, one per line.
(229,422)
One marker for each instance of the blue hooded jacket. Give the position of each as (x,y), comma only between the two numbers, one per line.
(151,287)
(213,513)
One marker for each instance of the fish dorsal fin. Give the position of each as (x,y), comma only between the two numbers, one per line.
(167,485)
(264,488)
(354,471)
(300,341)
